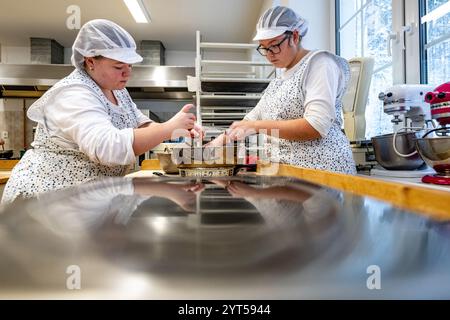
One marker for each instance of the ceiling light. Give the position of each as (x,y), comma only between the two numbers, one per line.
(138,10)
(437,13)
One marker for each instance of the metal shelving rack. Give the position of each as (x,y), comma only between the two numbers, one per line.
(223,96)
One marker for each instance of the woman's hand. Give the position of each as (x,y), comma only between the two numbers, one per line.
(180,124)
(184,195)
(220,141)
(242,190)
(217,142)
(241,129)
(238,189)
(197,132)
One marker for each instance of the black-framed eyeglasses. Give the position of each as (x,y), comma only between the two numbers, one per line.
(275,48)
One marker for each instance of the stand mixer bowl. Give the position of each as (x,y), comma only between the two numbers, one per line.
(436,153)
(405,143)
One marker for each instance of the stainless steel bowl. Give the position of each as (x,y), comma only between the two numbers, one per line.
(405,143)
(436,153)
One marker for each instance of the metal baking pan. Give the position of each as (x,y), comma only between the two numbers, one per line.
(229,100)
(222,86)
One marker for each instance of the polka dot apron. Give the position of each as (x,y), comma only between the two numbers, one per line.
(49,166)
(284,100)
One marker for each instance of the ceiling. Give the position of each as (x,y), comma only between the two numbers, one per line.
(174,22)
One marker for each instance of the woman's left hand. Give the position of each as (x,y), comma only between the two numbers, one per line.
(241,190)
(197,132)
(237,189)
(241,129)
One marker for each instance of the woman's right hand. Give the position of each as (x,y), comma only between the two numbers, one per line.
(182,122)
(238,189)
(220,141)
(183,194)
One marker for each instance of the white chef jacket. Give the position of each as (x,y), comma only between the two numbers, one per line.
(80,136)
(77,119)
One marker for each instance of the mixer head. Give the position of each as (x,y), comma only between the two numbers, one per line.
(406,101)
(439,101)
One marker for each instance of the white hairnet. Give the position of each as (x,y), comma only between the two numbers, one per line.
(104,38)
(277,20)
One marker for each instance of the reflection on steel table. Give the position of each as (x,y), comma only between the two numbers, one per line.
(242,237)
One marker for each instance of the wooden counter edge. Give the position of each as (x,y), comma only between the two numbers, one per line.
(8,164)
(422,200)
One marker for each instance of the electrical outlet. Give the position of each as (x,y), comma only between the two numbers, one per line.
(5,134)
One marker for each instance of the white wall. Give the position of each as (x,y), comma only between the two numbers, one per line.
(332,26)
(173,58)
(320,35)
(318,16)
(15,55)
(21,55)
(321,22)
(67,55)
(180,58)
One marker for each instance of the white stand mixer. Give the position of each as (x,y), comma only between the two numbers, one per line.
(396,152)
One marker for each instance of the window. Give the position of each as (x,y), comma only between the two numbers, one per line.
(435,45)
(420,51)
(363,27)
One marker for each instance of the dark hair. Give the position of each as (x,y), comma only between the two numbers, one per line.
(290,33)
(96,58)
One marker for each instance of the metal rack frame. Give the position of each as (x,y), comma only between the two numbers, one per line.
(222,97)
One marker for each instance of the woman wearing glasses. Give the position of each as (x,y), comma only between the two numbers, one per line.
(301,109)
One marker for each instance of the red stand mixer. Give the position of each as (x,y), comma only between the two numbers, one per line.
(434,147)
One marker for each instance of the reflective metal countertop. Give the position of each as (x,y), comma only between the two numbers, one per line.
(244,237)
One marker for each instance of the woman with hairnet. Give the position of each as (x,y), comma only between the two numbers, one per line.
(303,105)
(87,124)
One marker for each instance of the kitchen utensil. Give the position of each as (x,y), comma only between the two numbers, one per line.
(434,147)
(436,153)
(405,143)
(206,157)
(396,152)
(159,174)
(6,154)
(207,161)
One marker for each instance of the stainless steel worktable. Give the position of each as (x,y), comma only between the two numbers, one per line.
(245,237)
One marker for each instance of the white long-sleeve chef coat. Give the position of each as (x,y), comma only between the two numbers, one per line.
(77,119)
